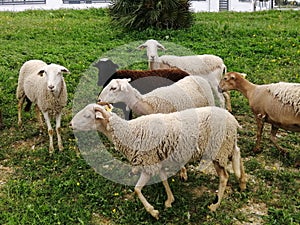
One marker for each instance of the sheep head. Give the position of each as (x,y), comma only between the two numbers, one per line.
(92,117)
(152,46)
(230,80)
(115,91)
(54,75)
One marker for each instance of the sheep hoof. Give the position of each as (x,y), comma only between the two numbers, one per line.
(51,150)
(213,207)
(155,213)
(60,148)
(168,203)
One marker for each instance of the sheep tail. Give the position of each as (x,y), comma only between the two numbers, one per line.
(236,161)
(28,105)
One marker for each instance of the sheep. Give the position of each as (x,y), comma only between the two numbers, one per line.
(276,103)
(106,68)
(210,67)
(44,86)
(189,92)
(158,141)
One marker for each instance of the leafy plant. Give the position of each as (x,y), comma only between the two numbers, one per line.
(143,14)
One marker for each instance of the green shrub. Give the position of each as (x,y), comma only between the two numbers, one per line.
(142,14)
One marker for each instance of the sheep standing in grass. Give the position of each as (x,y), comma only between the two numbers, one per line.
(210,67)
(154,142)
(189,92)
(277,104)
(44,86)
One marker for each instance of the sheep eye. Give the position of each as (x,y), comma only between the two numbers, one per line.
(113,88)
(87,116)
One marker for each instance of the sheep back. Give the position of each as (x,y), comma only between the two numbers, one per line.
(189,92)
(197,65)
(31,67)
(171,74)
(287,93)
(156,140)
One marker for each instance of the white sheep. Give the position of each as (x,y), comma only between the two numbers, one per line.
(277,104)
(158,141)
(44,86)
(210,67)
(189,92)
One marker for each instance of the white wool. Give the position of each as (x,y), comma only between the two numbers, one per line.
(155,140)
(287,93)
(189,92)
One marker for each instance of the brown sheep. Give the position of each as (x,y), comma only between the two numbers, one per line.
(277,104)
(171,74)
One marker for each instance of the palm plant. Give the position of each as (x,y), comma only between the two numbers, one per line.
(141,14)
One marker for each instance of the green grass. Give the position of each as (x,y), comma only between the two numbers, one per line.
(36,188)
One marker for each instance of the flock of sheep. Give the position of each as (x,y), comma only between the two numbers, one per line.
(189,120)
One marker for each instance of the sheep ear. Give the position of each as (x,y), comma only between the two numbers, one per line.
(99,112)
(64,70)
(160,46)
(41,72)
(124,84)
(232,76)
(243,75)
(142,46)
(98,115)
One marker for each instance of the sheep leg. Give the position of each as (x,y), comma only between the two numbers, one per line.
(223,175)
(274,139)
(260,126)
(50,131)
(39,118)
(170,199)
(227,101)
(183,174)
(144,178)
(20,106)
(58,130)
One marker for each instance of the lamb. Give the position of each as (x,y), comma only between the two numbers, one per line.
(154,142)
(44,86)
(277,104)
(210,67)
(189,92)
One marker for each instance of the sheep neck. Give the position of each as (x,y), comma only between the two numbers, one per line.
(245,87)
(133,97)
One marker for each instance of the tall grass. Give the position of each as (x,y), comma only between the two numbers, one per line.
(36,188)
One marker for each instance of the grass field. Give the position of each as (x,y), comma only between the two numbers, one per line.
(38,188)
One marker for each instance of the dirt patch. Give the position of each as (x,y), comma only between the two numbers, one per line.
(253,213)
(98,219)
(5,173)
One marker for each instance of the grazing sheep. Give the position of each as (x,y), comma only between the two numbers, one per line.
(277,104)
(210,67)
(43,85)
(189,92)
(158,141)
